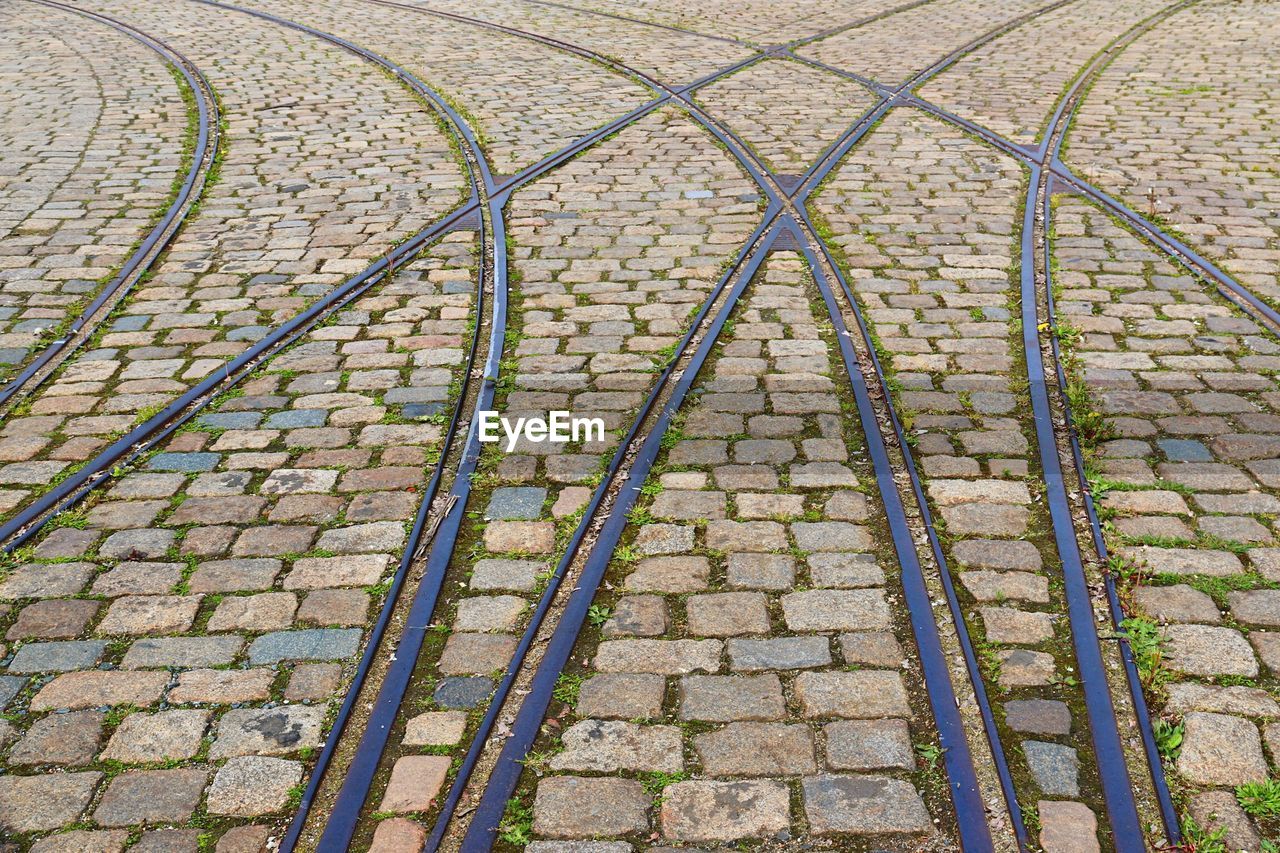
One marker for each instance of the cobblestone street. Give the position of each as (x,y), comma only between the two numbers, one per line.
(936,348)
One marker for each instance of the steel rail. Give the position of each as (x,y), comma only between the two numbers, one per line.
(822,34)
(341,826)
(1046,157)
(19,529)
(1182,254)
(359,776)
(1000,761)
(896,95)
(31,518)
(862,22)
(653,105)
(1049,159)
(1104,732)
(358,780)
(1151,752)
(505,776)
(1048,152)
(208,133)
(966,794)
(365,763)
(961,755)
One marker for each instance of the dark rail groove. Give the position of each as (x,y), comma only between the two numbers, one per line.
(1155,766)
(1108,751)
(1046,157)
(638,450)
(373,741)
(505,775)
(161,234)
(1048,152)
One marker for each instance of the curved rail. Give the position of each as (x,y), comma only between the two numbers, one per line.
(1049,151)
(208,134)
(506,774)
(377,729)
(1155,766)
(1046,157)
(1113,772)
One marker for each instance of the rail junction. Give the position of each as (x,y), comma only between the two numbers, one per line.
(936,345)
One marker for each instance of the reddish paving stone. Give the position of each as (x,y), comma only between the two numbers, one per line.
(1067,827)
(397,835)
(415,781)
(53,619)
(75,690)
(50,801)
(70,739)
(151,796)
(167,735)
(150,614)
(244,839)
(168,841)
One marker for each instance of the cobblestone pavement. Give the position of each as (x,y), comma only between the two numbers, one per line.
(313,185)
(89,161)
(1187,472)
(752,632)
(1189,114)
(186,661)
(925,215)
